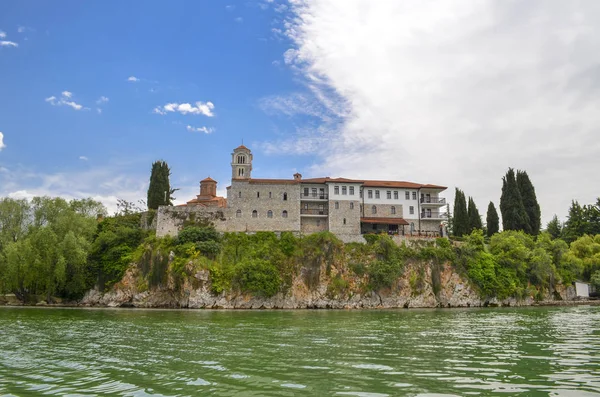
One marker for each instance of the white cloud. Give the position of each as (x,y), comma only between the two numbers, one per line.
(102,100)
(21,29)
(230,7)
(2,34)
(2,145)
(63,100)
(454,92)
(4,43)
(99,111)
(84,158)
(133,79)
(203,108)
(239,19)
(206,130)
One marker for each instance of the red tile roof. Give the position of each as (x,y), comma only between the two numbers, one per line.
(366,183)
(209,179)
(241,147)
(385,221)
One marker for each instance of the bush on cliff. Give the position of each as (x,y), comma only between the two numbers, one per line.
(257,276)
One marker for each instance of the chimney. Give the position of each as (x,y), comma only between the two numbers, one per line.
(297,176)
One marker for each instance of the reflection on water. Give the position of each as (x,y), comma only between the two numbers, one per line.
(529,351)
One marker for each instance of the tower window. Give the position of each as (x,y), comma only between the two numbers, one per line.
(393,210)
(240,172)
(269,214)
(240,194)
(284,214)
(374,209)
(241,159)
(255,214)
(238,213)
(284,196)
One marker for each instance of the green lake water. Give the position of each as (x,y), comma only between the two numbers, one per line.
(131,352)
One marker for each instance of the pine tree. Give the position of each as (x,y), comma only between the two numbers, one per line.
(532,207)
(159,190)
(514,216)
(576,225)
(554,227)
(461,219)
(474,217)
(493,223)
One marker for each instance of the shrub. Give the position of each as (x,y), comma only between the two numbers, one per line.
(257,276)
(382,274)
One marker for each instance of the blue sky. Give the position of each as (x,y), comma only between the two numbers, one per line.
(452,93)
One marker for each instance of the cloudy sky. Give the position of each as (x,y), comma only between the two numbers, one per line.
(450,93)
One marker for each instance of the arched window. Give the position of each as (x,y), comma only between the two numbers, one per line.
(393,210)
(374,209)
(284,196)
(269,214)
(344,221)
(240,172)
(240,194)
(255,214)
(238,213)
(284,214)
(337,205)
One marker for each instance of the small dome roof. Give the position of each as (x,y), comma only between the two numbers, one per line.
(209,179)
(242,147)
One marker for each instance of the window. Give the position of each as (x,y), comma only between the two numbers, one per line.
(314,192)
(376,194)
(269,214)
(351,205)
(337,205)
(344,221)
(407,195)
(284,196)
(305,206)
(257,194)
(241,159)
(389,194)
(411,210)
(305,192)
(240,172)
(412,227)
(373,210)
(240,194)
(393,210)
(284,214)
(255,214)
(238,213)
(336,190)
(344,190)
(414,195)
(351,190)
(321,209)
(270,195)
(370,194)
(395,195)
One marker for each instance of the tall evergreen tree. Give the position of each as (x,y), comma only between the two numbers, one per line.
(461,218)
(554,227)
(492,220)
(474,217)
(576,224)
(159,190)
(514,216)
(532,207)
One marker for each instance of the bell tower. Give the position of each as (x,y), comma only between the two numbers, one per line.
(241,163)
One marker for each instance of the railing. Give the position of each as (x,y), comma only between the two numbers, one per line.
(433,200)
(313,211)
(314,196)
(434,215)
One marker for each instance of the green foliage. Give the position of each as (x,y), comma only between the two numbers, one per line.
(460,220)
(514,215)
(595,280)
(159,190)
(492,220)
(338,286)
(259,277)
(382,274)
(581,221)
(530,203)
(473,216)
(554,227)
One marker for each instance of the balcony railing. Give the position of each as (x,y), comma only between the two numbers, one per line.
(313,211)
(433,200)
(434,215)
(314,196)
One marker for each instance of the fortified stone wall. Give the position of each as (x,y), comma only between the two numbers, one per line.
(262,198)
(313,224)
(344,219)
(170,220)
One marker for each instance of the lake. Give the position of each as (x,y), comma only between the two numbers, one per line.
(134,352)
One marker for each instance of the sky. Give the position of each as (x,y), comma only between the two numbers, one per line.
(450,93)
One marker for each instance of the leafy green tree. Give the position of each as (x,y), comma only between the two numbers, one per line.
(514,216)
(460,221)
(474,217)
(554,227)
(492,220)
(595,280)
(15,218)
(159,190)
(576,224)
(532,207)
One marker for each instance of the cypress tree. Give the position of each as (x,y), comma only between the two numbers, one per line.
(461,219)
(159,190)
(514,216)
(493,223)
(554,227)
(576,224)
(532,207)
(474,217)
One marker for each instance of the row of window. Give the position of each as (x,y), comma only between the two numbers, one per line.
(345,190)
(284,196)
(284,214)
(411,209)
(350,191)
